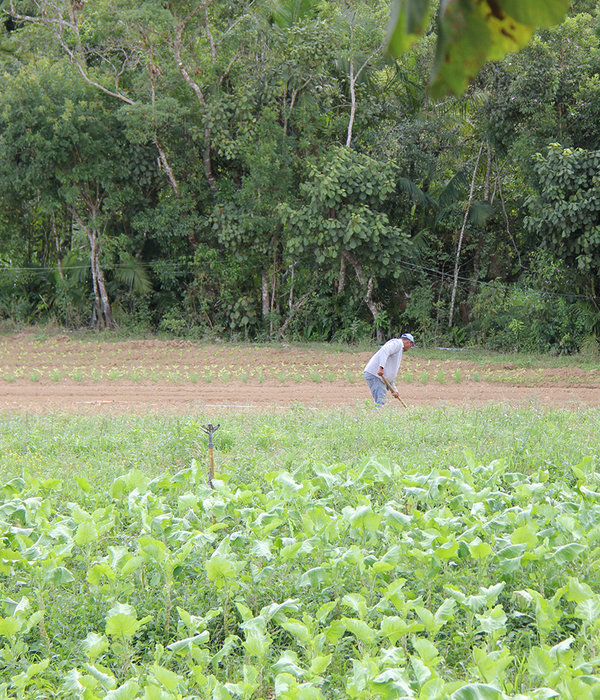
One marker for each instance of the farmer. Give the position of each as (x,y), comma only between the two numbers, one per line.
(386,362)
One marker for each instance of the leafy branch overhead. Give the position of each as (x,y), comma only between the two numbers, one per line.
(469,33)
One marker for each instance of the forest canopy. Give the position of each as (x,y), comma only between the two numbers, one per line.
(303,169)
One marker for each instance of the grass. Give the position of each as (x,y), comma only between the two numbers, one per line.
(103,447)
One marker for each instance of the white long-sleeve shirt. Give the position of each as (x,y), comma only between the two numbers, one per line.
(389,356)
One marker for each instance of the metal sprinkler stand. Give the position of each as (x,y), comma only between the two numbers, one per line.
(210,430)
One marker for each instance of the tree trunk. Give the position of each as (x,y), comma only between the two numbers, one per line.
(342,277)
(352,104)
(104,318)
(478,260)
(265,293)
(274,305)
(58,251)
(372,305)
(461,236)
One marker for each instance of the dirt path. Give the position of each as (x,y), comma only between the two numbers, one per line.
(125,397)
(71,375)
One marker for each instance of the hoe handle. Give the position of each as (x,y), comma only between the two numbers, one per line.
(391,388)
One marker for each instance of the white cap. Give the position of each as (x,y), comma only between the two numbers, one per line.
(408,336)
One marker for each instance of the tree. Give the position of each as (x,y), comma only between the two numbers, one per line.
(110,57)
(61,142)
(342,218)
(565,212)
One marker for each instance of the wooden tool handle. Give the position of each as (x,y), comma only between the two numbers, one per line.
(391,388)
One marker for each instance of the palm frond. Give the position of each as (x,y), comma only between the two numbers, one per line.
(132,273)
(76,266)
(286,13)
(480,212)
(414,192)
(453,189)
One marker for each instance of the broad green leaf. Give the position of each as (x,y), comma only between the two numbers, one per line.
(319,664)
(257,643)
(539,14)
(94,645)
(325,609)
(83,483)
(539,663)
(122,625)
(427,651)
(72,682)
(562,652)
(568,552)
(50,484)
(131,564)
(360,629)
(408,21)
(168,679)
(396,627)
(588,610)
(298,630)
(393,684)
(187,643)
(493,620)
(288,486)
(107,681)
(470,33)
(426,617)
(577,591)
(356,602)
(395,517)
(423,673)
(128,691)
(288,663)
(477,691)
(526,534)
(433,689)
(59,576)
(447,551)
(121,621)
(98,571)
(220,568)
(9,555)
(153,549)
(362,517)
(278,611)
(86,533)
(22,680)
(262,549)
(479,550)
(445,612)
(492,665)
(313,577)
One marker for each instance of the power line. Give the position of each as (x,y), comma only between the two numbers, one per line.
(175,270)
(503,285)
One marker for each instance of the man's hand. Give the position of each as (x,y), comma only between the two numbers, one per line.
(395,394)
(380,371)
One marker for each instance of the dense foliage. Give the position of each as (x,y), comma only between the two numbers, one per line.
(264,169)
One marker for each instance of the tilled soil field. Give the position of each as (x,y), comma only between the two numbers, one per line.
(73,375)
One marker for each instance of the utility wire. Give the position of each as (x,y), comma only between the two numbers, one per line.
(174,270)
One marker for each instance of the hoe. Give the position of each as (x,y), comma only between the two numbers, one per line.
(391,388)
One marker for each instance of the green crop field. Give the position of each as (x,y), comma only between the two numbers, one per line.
(343,554)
